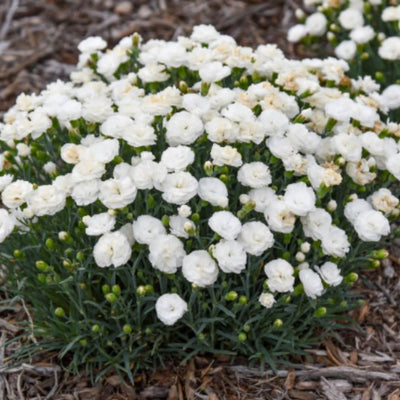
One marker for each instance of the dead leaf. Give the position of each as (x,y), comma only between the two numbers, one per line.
(290,380)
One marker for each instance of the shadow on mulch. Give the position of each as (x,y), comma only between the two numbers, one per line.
(38,41)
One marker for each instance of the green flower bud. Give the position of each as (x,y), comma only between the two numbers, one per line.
(95,328)
(118,159)
(201,336)
(127,329)
(41,265)
(80,255)
(364,56)
(232,295)
(141,290)
(150,201)
(81,212)
(242,337)
(351,278)
(183,87)
(83,342)
(59,312)
(195,217)
(18,254)
(380,254)
(247,328)
(320,312)
(116,289)
(165,220)
(149,289)
(380,77)
(106,289)
(243,300)
(278,323)
(135,40)
(148,331)
(224,178)
(286,255)
(208,168)
(49,243)
(344,303)
(42,278)
(205,87)
(374,264)
(111,297)
(82,286)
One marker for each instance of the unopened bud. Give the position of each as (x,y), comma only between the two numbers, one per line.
(300,257)
(305,247)
(232,295)
(111,297)
(127,328)
(278,323)
(332,205)
(242,337)
(59,312)
(320,312)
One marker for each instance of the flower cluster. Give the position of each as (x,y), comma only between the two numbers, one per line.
(191,178)
(363,32)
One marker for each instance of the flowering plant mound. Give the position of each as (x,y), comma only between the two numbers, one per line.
(187,197)
(363,32)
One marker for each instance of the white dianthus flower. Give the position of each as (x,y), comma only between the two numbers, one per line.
(220,129)
(166,253)
(351,18)
(256,238)
(267,300)
(334,242)
(225,224)
(179,187)
(146,228)
(46,200)
(346,50)
(316,24)
(199,268)
(92,44)
(179,226)
(99,224)
(330,273)
(85,193)
(362,34)
(226,155)
(390,48)
(299,198)
(383,200)
(371,225)
(262,197)
(183,128)
(280,276)
(112,249)
(255,174)
(312,283)
(16,193)
(7,224)
(117,193)
(214,71)
(177,158)
(316,223)
(391,96)
(214,191)
(279,217)
(296,33)
(230,255)
(170,308)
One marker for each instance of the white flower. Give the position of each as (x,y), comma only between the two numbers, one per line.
(255,237)
(280,147)
(371,225)
(140,134)
(348,145)
(102,151)
(391,14)
(230,255)
(360,172)
(5,180)
(196,104)
(199,268)
(255,174)
(312,283)
(341,109)
(220,129)
(46,200)
(92,44)
(214,71)
(299,198)
(279,217)
(112,249)
(117,193)
(351,18)
(391,96)
(334,242)
(280,275)
(226,155)
(85,193)
(87,170)
(316,223)
(179,226)
(148,174)
(316,24)
(275,122)
(153,72)
(146,228)
(16,193)
(214,191)
(302,139)
(354,208)
(99,224)
(204,34)
(179,187)
(50,167)
(390,48)
(383,200)
(225,224)
(177,158)
(7,224)
(362,34)
(346,50)
(372,143)
(296,33)
(170,308)
(262,197)
(183,128)
(330,273)
(393,165)
(184,211)
(166,253)
(267,300)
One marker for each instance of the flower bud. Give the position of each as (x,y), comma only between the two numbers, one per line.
(116,289)
(183,87)
(184,211)
(278,323)
(18,254)
(59,312)
(243,300)
(41,265)
(244,198)
(111,297)
(83,342)
(95,328)
(165,220)
(208,168)
(320,312)
(205,87)
(331,206)
(380,254)
(149,289)
(127,328)
(106,289)
(49,243)
(351,278)
(230,296)
(242,337)
(196,217)
(141,290)
(300,257)
(305,247)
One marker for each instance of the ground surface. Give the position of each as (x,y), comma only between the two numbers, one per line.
(38,40)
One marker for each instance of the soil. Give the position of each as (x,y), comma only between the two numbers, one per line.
(38,41)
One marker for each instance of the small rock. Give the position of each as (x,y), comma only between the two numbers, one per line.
(388,270)
(123,8)
(144,11)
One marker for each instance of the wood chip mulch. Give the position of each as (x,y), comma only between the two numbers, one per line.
(38,40)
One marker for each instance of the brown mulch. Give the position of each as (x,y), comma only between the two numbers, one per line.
(38,40)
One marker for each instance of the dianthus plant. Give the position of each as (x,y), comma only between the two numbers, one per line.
(363,32)
(178,198)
